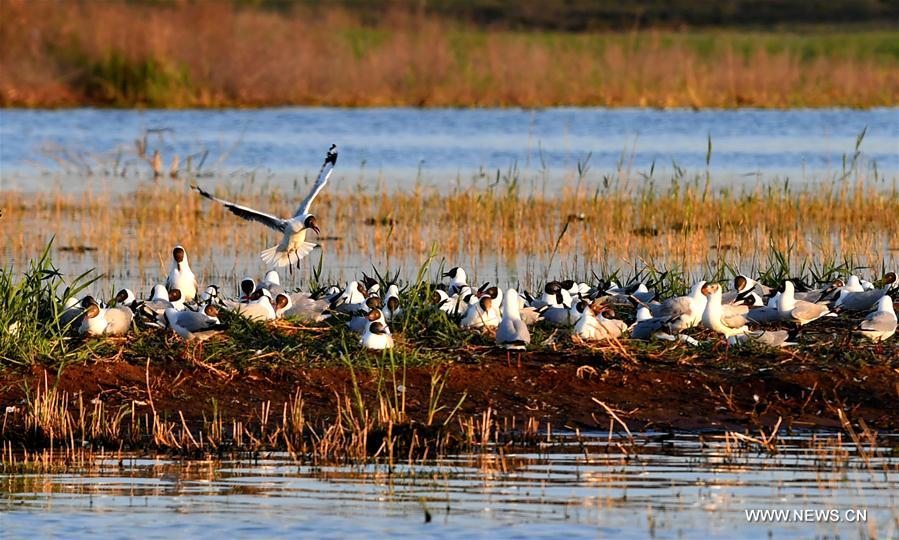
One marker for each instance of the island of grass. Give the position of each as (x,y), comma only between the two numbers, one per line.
(310,388)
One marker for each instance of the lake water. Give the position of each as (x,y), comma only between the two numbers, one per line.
(252,150)
(440,146)
(670,487)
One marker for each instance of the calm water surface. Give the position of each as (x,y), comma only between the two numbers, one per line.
(440,146)
(672,487)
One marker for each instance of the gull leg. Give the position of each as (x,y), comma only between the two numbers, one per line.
(519,360)
(508,358)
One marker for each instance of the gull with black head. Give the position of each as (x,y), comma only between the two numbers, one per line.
(293,246)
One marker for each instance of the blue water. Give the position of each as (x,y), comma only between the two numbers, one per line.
(676,487)
(439,145)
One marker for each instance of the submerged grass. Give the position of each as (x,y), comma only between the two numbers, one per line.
(207,54)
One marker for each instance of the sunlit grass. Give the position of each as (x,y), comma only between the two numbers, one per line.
(207,54)
(504,231)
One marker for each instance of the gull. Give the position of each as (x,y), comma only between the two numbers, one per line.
(441,300)
(360,320)
(881,324)
(714,318)
(210,295)
(765,314)
(772,338)
(494,293)
(853,284)
(658,328)
(352,299)
(281,304)
(529,314)
(458,280)
(561,316)
(181,277)
(799,311)
(377,335)
(621,295)
(293,246)
(744,287)
(574,288)
(160,300)
(593,327)
(93,323)
(613,324)
(391,303)
(482,314)
(126,298)
(73,311)
(371,284)
(271,281)
(511,333)
(682,312)
(455,305)
(303,306)
(118,320)
(554,296)
(259,308)
(247,288)
(817,295)
(105,321)
(864,300)
(648,327)
(194,325)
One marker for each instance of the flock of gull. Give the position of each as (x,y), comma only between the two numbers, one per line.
(749,311)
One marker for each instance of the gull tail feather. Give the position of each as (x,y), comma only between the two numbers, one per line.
(277,259)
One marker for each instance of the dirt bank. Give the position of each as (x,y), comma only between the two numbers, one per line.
(654,393)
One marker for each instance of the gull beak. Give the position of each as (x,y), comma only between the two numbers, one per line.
(315,228)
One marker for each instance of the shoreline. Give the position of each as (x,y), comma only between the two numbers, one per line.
(652,391)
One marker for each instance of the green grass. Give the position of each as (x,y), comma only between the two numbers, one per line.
(31,334)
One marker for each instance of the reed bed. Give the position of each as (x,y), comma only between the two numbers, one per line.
(502,232)
(207,54)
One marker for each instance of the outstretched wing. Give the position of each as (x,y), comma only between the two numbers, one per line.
(323,175)
(248,214)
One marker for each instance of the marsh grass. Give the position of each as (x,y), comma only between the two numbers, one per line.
(30,311)
(624,223)
(207,54)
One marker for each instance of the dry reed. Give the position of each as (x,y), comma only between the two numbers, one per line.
(497,234)
(214,54)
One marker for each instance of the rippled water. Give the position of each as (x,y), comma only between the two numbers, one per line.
(441,146)
(672,487)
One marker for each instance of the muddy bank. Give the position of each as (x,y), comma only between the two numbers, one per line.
(657,394)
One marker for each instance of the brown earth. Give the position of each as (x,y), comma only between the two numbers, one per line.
(656,394)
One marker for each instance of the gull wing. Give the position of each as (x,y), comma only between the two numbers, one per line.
(672,307)
(807,311)
(734,320)
(194,321)
(879,322)
(248,214)
(323,175)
